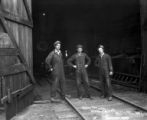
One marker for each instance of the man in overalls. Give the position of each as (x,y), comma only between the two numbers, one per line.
(104,64)
(80,61)
(55,63)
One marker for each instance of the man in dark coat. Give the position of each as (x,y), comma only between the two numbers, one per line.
(55,63)
(80,62)
(104,64)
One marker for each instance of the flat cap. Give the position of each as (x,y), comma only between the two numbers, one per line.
(57,42)
(101,46)
(79,46)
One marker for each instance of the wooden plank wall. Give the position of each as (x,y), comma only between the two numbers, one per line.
(23,36)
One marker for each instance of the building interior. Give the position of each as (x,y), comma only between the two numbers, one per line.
(115,24)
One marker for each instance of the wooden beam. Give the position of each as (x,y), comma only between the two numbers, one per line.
(25,90)
(20,93)
(14,18)
(8,52)
(12,70)
(129,75)
(28,11)
(22,58)
(124,84)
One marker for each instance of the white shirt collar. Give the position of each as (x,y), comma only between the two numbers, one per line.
(80,54)
(57,51)
(101,55)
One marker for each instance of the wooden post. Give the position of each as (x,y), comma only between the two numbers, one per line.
(143,18)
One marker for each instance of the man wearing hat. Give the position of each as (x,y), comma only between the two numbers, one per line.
(80,61)
(55,64)
(104,64)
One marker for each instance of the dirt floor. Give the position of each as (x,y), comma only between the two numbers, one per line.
(101,109)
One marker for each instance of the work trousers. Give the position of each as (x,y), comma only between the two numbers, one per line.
(58,83)
(82,77)
(106,87)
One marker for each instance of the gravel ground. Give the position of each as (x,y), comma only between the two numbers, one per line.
(44,110)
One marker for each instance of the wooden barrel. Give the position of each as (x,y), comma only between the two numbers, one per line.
(16,59)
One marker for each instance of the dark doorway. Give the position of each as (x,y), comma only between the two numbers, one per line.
(116,24)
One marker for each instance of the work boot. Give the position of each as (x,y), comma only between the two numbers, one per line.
(55,100)
(80,97)
(109,98)
(89,96)
(66,96)
(102,96)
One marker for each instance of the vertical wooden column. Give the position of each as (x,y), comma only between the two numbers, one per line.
(143,15)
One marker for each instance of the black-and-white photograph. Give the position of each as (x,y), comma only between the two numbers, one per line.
(73,59)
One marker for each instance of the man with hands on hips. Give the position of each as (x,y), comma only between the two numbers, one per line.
(80,61)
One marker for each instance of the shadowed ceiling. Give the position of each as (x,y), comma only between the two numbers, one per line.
(110,22)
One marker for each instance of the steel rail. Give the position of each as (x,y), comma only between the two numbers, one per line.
(72,106)
(66,99)
(123,100)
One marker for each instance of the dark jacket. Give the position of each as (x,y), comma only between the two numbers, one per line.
(104,63)
(79,60)
(55,62)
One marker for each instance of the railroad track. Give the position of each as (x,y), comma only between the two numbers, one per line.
(67,111)
(86,109)
(101,109)
(64,111)
(96,109)
(123,100)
